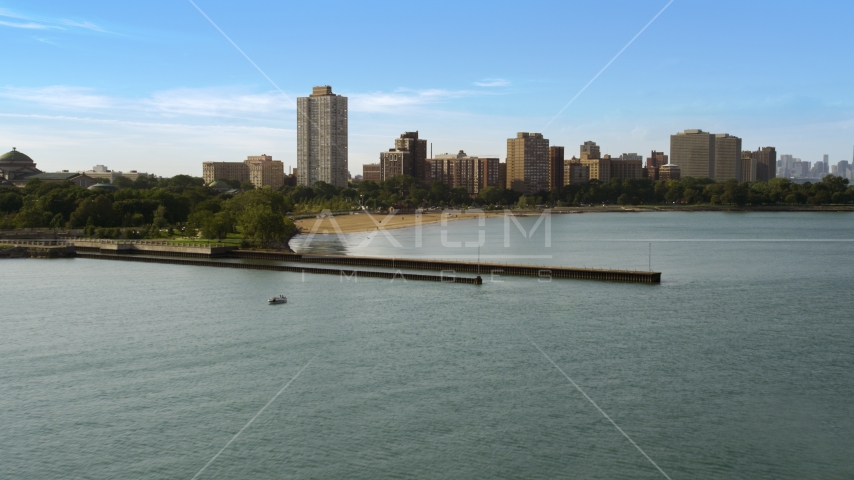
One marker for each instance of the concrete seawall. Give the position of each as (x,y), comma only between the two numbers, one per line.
(171,249)
(126,249)
(345,274)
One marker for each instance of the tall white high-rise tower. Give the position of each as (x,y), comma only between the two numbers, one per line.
(322,138)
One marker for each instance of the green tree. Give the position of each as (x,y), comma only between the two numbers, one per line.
(123,182)
(160,217)
(98,208)
(32,214)
(490,195)
(262,224)
(10,200)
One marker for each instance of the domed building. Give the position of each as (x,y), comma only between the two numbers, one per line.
(14,165)
(19,169)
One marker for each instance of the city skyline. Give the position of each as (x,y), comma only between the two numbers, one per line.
(160,89)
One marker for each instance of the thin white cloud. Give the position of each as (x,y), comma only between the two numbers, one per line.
(213,102)
(29,25)
(59,96)
(205,102)
(45,40)
(42,23)
(492,82)
(86,25)
(401,99)
(220,102)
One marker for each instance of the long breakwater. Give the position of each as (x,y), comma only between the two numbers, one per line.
(492,269)
(345,274)
(205,255)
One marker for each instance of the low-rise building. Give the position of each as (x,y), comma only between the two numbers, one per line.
(372,172)
(669,172)
(79,179)
(101,172)
(261,170)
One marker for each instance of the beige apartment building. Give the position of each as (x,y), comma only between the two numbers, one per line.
(598,168)
(266,172)
(694,152)
(575,173)
(322,138)
(261,170)
(528,163)
(727,157)
(460,170)
(212,171)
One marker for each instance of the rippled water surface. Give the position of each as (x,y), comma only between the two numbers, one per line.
(740,365)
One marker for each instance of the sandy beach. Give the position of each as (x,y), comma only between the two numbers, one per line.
(365,222)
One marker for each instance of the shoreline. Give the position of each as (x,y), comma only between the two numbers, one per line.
(361,222)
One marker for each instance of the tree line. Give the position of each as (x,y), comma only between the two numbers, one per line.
(147,206)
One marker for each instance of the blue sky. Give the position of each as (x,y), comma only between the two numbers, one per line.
(153,86)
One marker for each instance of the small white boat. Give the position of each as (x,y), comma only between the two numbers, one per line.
(279,299)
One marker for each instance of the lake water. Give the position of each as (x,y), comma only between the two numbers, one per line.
(739,365)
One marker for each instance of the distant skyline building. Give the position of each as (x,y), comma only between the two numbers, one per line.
(844,170)
(528,163)
(590,149)
(417,148)
(766,163)
(694,152)
(322,138)
(748,167)
(656,159)
(786,165)
(653,163)
(727,157)
(556,168)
